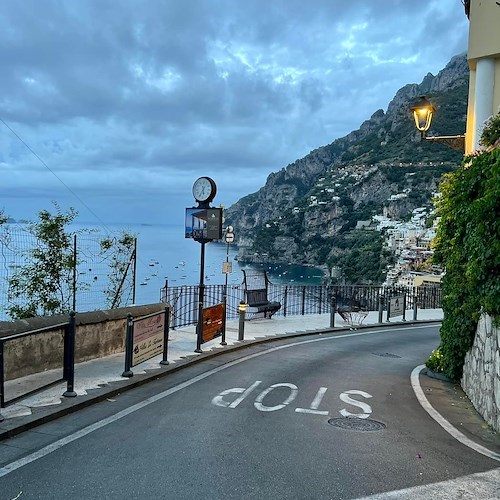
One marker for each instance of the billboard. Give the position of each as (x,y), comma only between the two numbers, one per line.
(203,223)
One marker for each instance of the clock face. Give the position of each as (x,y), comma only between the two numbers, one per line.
(204,189)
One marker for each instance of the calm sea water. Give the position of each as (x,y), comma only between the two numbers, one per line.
(164,253)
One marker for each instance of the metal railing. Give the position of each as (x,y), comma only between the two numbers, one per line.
(68,361)
(294,299)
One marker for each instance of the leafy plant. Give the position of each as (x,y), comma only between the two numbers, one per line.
(121,254)
(435,361)
(43,285)
(468,246)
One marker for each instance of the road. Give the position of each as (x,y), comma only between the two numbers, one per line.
(325,416)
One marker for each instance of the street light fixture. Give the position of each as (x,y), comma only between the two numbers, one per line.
(423,110)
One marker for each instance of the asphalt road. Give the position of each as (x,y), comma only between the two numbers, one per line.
(326,416)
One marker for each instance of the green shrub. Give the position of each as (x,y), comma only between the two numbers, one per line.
(468,246)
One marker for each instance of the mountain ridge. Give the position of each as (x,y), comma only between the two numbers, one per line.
(301,207)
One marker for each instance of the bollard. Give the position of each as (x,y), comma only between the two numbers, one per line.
(166,327)
(128,347)
(332,312)
(404,306)
(415,305)
(380,309)
(241,327)
(69,362)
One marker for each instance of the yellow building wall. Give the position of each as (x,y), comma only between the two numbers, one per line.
(484,42)
(484,30)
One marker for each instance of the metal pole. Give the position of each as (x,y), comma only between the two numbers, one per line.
(128,347)
(223,341)
(303,299)
(415,306)
(70,359)
(404,306)
(74,272)
(134,268)
(201,296)
(380,309)
(285,300)
(2,387)
(166,326)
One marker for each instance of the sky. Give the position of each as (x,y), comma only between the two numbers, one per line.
(116,107)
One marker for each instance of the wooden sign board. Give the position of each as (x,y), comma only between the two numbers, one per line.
(213,320)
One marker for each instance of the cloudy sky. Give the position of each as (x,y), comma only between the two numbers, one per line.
(116,107)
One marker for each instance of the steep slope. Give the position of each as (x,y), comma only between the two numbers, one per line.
(304,208)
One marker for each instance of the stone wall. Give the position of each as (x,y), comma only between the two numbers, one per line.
(481,377)
(98,334)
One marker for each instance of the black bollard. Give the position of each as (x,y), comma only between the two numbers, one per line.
(241,327)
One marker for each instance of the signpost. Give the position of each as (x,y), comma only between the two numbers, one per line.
(396,307)
(203,224)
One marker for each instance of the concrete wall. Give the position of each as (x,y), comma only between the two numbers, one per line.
(481,378)
(98,334)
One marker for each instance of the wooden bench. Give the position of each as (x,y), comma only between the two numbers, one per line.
(255,286)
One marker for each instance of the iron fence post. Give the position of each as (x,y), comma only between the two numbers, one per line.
(285,299)
(69,339)
(303,301)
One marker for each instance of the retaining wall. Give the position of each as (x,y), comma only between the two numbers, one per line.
(98,334)
(481,377)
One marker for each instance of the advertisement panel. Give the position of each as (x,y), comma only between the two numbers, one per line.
(148,336)
(203,223)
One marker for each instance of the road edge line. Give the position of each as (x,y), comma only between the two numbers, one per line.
(450,429)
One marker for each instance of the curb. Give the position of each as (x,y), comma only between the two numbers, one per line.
(72,405)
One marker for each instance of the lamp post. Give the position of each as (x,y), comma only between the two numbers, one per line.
(423,110)
(226,269)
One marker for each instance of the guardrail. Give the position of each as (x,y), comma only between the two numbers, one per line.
(295,299)
(68,361)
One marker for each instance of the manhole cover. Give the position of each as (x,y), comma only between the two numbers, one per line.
(386,355)
(357,424)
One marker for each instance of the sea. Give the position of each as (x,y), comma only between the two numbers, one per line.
(163,253)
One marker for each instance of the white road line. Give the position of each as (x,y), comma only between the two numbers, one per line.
(415,382)
(7,469)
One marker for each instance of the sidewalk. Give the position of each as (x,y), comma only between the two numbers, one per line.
(101,378)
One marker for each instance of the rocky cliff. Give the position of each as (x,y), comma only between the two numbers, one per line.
(306,209)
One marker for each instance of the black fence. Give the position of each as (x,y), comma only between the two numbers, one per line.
(295,299)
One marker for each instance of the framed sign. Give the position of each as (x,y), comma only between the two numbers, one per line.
(396,306)
(203,223)
(148,335)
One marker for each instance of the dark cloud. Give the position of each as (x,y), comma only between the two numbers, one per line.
(157,93)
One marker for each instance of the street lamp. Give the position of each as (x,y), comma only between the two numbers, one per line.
(423,110)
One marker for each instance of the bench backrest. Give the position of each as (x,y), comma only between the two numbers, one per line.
(255,286)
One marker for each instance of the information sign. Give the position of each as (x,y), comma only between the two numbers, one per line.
(213,318)
(148,336)
(227,267)
(396,306)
